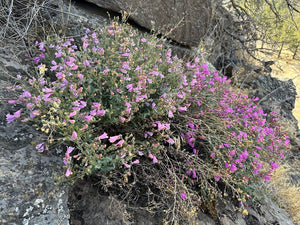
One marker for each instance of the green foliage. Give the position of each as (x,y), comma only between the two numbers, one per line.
(128,111)
(276,22)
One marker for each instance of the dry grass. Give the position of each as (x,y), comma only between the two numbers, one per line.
(286,68)
(287,193)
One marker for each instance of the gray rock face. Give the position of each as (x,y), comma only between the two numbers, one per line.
(28,194)
(193,16)
(267,212)
(275,95)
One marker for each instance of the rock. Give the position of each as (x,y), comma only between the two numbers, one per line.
(265,212)
(195,16)
(274,95)
(28,194)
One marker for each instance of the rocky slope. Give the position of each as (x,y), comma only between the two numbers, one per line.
(28,193)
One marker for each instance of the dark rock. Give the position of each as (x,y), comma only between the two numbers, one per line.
(189,18)
(275,95)
(265,212)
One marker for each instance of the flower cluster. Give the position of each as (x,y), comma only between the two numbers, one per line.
(120,97)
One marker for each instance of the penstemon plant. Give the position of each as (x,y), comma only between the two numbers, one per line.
(117,99)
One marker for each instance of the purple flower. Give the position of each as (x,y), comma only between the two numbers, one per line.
(34,113)
(152,157)
(68,172)
(129,87)
(74,136)
(26,94)
(191,125)
(170,114)
(12,101)
(171,141)
(274,165)
(183,195)
(136,161)
(114,138)
(17,114)
(10,118)
(217,178)
(69,150)
(233,167)
(72,114)
(232,153)
(119,143)
(88,118)
(40,147)
(194,174)
(101,112)
(126,165)
(286,142)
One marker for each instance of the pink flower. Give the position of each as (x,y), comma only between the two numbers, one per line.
(101,112)
(191,142)
(40,147)
(68,172)
(72,114)
(217,178)
(287,142)
(69,150)
(256,154)
(111,32)
(119,144)
(10,118)
(244,156)
(126,165)
(26,94)
(88,118)
(114,138)
(233,168)
(191,125)
(194,174)
(171,141)
(84,127)
(183,196)
(34,113)
(103,136)
(74,136)
(12,101)
(129,87)
(181,109)
(152,157)
(170,114)
(274,165)
(136,161)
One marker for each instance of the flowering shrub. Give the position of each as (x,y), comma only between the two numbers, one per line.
(117,101)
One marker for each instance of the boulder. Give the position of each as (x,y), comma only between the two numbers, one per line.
(189,18)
